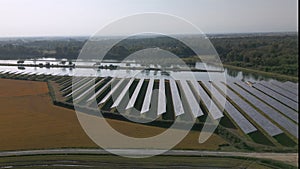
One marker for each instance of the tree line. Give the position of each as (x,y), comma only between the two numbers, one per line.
(270,53)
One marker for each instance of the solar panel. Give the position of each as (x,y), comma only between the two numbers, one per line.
(263,122)
(209,104)
(285,87)
(114,88)
(32,73)
(10,71)
(4,71)
(122,94)
(272,102)
(291,84)
(100,90)
(177,104)
(22,73)
(40,73)
(162,105)
(80,87)
(273,114)
(74,84)
(147,98)
(281,91)
(234,114)
(16,73)
(64,82)
(191,100)
(277,96)
(135,94)
(90,89)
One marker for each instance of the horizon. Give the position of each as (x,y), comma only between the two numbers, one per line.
(208,34)
(28,18)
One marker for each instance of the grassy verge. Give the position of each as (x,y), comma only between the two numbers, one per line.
(110,161)
(268,74)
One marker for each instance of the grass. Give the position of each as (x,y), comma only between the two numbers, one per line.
(110,161)
(260,138)
(285,140)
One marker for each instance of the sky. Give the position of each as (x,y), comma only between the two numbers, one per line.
(85,17)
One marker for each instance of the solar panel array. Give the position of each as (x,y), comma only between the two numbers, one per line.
(272,102)
(29,75)
(285,87)
(78,81)
(89,90)
(234,114)
(291,127)
(108,95)
(291,84)
(267,106)
(209,104)
(122,94)
(277,96)
(281,91)
(95,95)
(262,121)
(80,87)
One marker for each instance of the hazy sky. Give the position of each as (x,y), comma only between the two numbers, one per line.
(85,17)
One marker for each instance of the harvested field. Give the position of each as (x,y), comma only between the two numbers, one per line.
(29,120)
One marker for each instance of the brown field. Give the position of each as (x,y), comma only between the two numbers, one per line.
(29,120)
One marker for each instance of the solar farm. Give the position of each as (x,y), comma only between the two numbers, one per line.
(260,113)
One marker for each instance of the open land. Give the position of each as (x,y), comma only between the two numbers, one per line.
(29,120)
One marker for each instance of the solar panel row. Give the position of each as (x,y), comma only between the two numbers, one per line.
(95,95)
(234,114)
(177,104)
(161,107)
(89,90)
(114,88)
(277,96)
(191,100)
(147,98)
(66,82)
(281,91)
(272,102)
(135,94)
(263,122)
(285,87)
(122,94)
(291,84)
(209,104)
(80,87)
(291,127)
(74,83)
